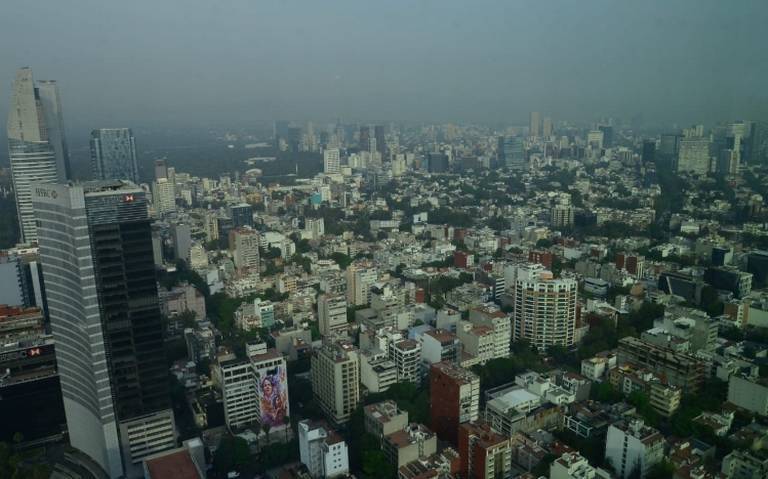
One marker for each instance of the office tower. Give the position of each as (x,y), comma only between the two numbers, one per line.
(727,163)
(242,215)
(244,245)
(36,144)
(607,135)
(546,127)
(280,134)
(758,143)
(322,450)
(534,124)
(595,139)
(181,234)
(649,151)
(331,314)
(161,169)
(544,308)
(630,445)
(98,266)
(113,155)
(331,161)
(378,135)
(757,264)
(484,453)
(293,139)
(437,162)
(669,146)
(454,399)
(164,196)
(50,100)
(16,280)
(365,138)
(511,152)
(30,393)
(335,374)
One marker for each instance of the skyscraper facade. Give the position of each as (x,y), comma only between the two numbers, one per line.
(331,161)
(96,250)
(512,152)
(36,144)
(534,126)
(113,154)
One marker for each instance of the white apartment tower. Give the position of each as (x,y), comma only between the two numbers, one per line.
(544,308)
(335,377)
(331,161)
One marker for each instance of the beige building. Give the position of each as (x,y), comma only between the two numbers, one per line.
(544,308)
(244,245)
(336,380)
(384,418)
(409,444)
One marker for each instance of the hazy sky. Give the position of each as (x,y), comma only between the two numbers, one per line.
(185,62)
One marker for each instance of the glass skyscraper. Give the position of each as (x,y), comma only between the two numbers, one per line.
(36,144)
(113,154)
(98,266)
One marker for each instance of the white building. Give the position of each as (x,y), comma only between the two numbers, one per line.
(360,278)
(331,314)
(544,308)
(575,466)
(163,196)
(238,388)
(407,357)
(322,450)
(747,393)
(244,244)
(331,161)
(335,380)
(631,445)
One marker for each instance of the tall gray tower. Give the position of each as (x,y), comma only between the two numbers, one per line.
(36,144)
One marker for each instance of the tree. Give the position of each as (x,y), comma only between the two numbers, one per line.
(232,451)
(342,260)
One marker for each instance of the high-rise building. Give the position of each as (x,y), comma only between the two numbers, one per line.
(511,152)
(694,152)
(360,277)
(544,308)
(164,196)
(36,144)
(438,162)
(331,314)
(96,251)
(669,146)
(484,453)
(546,127)
(181,234)
(335,376)
(455,398)
(758,143)
(242,215)
(534,124)
(595,139)
(244,244)
(331,161)
(607,135)
(378,135)
(113,154)
(649,151)
(161,169)
(632,446)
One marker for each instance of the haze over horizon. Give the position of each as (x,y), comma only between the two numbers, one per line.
(194,63)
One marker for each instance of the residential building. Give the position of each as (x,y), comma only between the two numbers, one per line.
(680,369)
(454,399)
(484,454)
(360,278)
(331,161)
(238,391)
(244,245)
(384,418)
(748,393)
(164,196)
(745,464)
(407,357)
(572,465)
(242,215)
(411,443)
(322,450)
(331,314)
(544,308)
(632,446)
(335,380)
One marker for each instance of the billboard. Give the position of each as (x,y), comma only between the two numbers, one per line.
(273,396)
